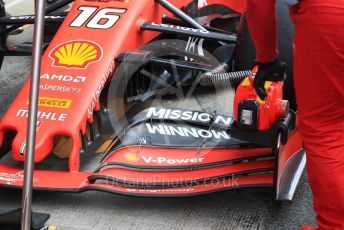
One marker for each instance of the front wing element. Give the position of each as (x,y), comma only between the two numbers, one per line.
(149,161)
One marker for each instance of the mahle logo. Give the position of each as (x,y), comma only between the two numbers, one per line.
(76,54)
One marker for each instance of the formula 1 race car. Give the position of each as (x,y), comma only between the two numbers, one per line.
(119,81)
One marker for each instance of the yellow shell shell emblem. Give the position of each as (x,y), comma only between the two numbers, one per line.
(132,157)
(76,54)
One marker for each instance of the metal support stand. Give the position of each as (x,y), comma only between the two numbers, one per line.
(32,120)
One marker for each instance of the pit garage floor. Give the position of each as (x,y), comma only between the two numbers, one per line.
(237,210)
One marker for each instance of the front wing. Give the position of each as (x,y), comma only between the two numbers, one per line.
(149,162)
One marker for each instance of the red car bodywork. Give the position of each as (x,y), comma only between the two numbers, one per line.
(66,114)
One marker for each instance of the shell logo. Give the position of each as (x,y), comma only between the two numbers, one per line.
(76,54)
(132,157)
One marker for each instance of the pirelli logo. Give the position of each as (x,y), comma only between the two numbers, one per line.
(54,103)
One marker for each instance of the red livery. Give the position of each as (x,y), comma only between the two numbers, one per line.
(89,107)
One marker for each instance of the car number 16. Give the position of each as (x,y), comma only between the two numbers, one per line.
(102,19)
